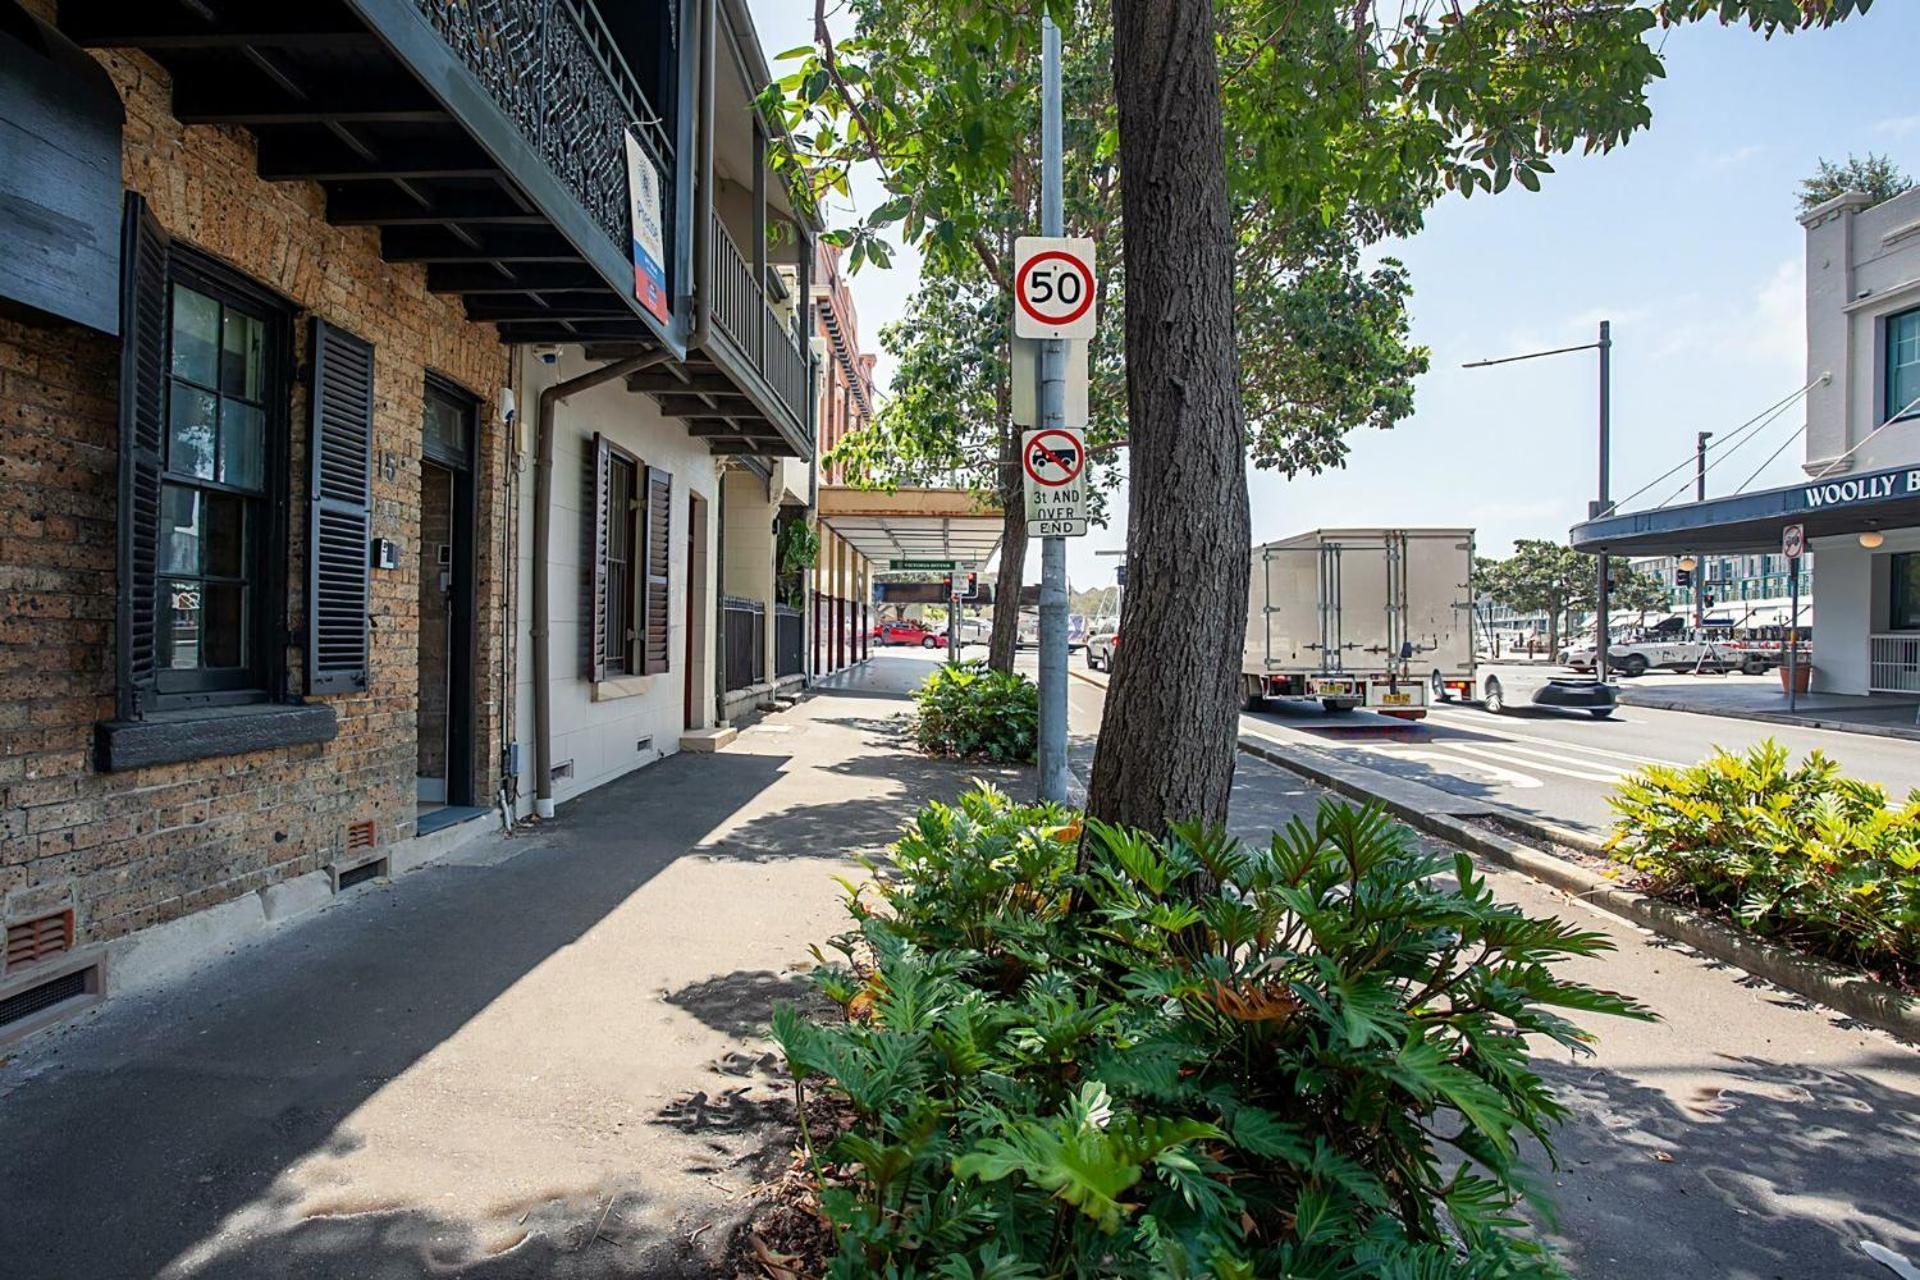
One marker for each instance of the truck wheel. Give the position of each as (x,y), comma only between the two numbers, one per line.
(1600,713)
(1634,664)
(1754,667)
(1440,691)
(1496,696)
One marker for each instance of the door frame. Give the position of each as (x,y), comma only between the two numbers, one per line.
(463,645)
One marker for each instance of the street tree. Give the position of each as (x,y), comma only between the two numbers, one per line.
(1637,592)
(1877,177)
(1340,116)
(1323,336)
(1553,579)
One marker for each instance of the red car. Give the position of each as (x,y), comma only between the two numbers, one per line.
(909,633)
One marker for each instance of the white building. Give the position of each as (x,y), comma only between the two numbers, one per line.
(1860,504)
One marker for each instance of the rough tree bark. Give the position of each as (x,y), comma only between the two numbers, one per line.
(1167,742)
(1004,640)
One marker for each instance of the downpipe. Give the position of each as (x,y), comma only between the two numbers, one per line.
(550,400)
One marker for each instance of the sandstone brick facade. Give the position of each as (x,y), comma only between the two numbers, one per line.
(130,850)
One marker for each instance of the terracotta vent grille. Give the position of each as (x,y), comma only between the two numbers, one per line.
(31,941)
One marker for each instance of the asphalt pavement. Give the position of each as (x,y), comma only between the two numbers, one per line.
(1559,766)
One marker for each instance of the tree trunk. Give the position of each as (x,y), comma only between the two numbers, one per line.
(1004,640)
(1167,743)
(1553,632)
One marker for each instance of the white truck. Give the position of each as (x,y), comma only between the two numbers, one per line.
(1358,617)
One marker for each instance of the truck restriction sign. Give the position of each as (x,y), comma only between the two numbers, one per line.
(1058,496)
(1053,287)
(1793,541)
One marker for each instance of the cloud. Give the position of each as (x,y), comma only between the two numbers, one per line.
(1737,156)
(1765,325)
(1898,126)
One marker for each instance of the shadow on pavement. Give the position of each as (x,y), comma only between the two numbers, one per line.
(137,1136)
(1773,1169)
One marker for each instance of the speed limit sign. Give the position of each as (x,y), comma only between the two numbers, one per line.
(1053,287)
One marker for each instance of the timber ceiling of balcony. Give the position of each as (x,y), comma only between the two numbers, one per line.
(337,92)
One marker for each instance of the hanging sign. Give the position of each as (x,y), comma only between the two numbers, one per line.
(1053,287)
(1059,499)
(649,248)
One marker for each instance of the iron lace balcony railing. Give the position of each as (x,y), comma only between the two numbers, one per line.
(558,74)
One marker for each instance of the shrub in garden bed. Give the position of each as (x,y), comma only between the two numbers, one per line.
(1186,1057)
(1797,851)
(970,710)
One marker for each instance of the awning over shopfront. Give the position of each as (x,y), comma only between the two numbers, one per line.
(1751,522)
(910,528)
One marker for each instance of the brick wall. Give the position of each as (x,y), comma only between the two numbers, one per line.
(135,849)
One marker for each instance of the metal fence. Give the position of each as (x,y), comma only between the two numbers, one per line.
(745,634)
(789,640)
(1895,663)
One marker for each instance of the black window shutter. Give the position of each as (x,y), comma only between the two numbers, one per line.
(599,616)
(145,248)
(659,568)
(340,494)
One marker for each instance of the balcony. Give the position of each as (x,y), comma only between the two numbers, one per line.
(486,139)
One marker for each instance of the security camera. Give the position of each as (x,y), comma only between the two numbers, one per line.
(549,352)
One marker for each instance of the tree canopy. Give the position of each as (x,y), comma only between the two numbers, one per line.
(1878,177)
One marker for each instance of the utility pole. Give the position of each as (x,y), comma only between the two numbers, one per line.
(1603,592)
(1603,588)
(1053,415)
(1700,495)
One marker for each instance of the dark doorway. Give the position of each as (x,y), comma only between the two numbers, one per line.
(444,718)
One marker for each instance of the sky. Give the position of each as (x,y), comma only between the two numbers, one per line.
(1685,239)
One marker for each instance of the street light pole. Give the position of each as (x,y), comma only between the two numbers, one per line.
(1603,590)
(1700,495)
(1052,745)
(1603,585)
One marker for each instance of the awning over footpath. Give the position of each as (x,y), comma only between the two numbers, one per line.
(1751,522)
(910,527)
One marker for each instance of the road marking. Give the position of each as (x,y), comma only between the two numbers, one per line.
(1496,752)
(1416,755)
(1479,721)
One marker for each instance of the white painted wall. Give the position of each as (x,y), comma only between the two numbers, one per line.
(1863,265)
(601,735)
(1852,595)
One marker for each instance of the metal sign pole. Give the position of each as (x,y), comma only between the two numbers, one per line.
(1793,636)
(1053,408)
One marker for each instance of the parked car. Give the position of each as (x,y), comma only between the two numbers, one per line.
(1638,656)
(1103,641)
(909,633)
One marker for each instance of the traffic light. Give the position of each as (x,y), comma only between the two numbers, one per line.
(1683,577)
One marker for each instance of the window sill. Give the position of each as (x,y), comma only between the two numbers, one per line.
(169,737)
(615,687)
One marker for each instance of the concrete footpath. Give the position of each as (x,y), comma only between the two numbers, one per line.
(540,1059)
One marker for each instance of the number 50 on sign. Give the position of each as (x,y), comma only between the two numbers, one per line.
(1053,287)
